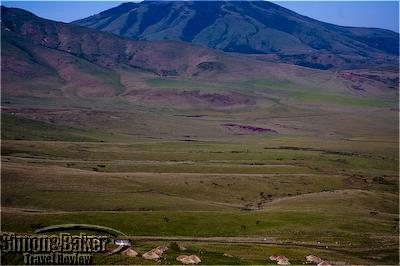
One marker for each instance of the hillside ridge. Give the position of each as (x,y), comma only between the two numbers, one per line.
(251,27)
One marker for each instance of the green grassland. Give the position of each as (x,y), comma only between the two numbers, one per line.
(176,189)
(325,183)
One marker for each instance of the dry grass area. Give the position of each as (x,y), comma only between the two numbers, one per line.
(205,190)
(322,180)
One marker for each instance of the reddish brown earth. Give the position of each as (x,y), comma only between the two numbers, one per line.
(365,80)
(191,97)
(249,128)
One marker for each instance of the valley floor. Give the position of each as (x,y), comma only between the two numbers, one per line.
(247,168)
(250,201)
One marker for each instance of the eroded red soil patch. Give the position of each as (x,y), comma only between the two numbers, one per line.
(249,128)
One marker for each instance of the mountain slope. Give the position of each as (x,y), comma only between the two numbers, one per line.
(48,58)
(79,77)
(44,58)
(250,27)
(40,55)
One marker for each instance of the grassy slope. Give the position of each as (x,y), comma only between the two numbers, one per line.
(45,72)
(159,162)
(19,128)
(210,204)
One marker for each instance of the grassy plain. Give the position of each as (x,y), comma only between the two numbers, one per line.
(325,183)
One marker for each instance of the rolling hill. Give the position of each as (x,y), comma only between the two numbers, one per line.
(40,55)
(75,76)
(51,59)
(173,143)
(252,27)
